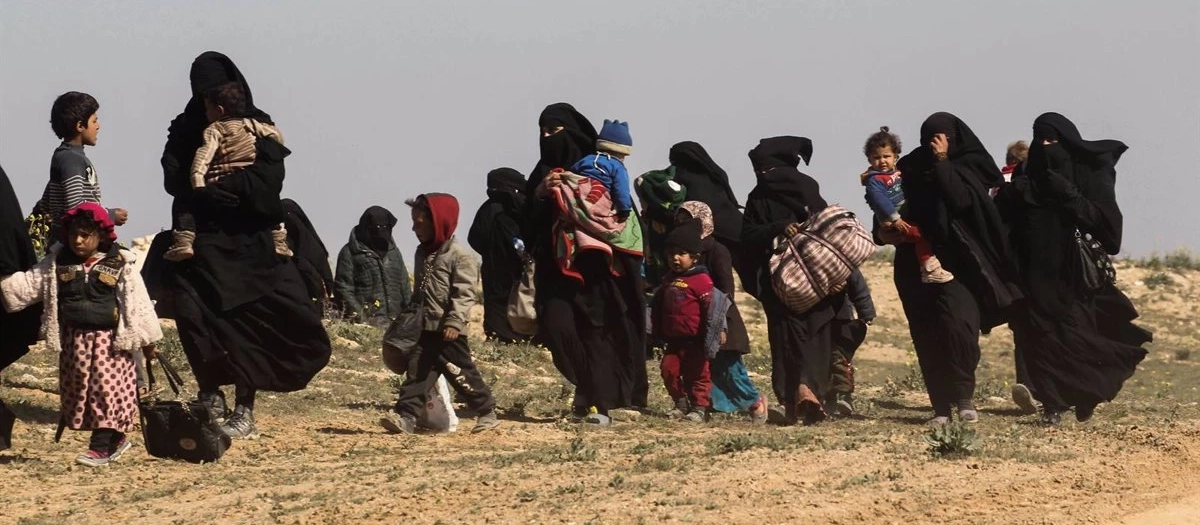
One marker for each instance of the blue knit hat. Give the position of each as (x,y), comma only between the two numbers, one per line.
(614,137)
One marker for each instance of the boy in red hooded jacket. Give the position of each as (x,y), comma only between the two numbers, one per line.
(446,275)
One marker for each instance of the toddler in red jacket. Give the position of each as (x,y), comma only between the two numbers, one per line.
(682,317)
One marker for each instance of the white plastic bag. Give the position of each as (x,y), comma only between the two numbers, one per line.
(439,413)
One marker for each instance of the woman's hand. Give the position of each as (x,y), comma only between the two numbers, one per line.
(450,334)
(724,338)
(890,235)
(150,351)
(792,230)
(120,216)
(553,180)
(941,146)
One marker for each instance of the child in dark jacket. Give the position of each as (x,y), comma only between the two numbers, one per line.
(607,166)
(885,196)
(849,332)
(681,317)
(446,275)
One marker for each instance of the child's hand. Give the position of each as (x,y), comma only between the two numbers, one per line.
(450,334)
(724,338)
(792,230)
(901,226)
(150,351)
(120,216)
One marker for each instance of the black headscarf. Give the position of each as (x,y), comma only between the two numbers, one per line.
(965,148)
(708,183)
(949,201)
(775,161)
(1055,127)
(311,255)
(506,186)
(374,229)
(560,150)
(185,135)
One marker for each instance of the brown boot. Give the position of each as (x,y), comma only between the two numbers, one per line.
(281,246)
(182,249)
(933,273)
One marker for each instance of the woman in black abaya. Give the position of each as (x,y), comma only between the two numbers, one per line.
(1078,345)
(706,182)
(243,312)
(595,329)
(946,182)
(311,256)
(496,225)
(20,329)
(800,342)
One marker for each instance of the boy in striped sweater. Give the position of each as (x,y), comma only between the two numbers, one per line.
(73,179)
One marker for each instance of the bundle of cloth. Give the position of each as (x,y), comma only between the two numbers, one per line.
(582,224)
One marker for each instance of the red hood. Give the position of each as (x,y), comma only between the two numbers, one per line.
(443,208)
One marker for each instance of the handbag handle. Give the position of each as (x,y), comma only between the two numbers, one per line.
(174,380)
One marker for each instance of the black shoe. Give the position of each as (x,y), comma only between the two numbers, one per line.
(1051,418)
(1084,413)
(7,418)
(215,401)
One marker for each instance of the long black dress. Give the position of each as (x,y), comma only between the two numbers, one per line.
(595,329)
(800,343)
(496,224)
(948,200)
(311,256)
(1079,346)
(19,329)
(243,312)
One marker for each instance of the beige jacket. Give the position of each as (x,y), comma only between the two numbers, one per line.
(449,292)
(138,325)
(229,145)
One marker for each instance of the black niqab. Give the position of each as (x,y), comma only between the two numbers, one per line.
(965,148)
(506,186)
(374,229)
(560,150)
(708,183)
(775,161)
(1055,127)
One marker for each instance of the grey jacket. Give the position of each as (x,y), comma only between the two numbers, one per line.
(450,290)
(370,288)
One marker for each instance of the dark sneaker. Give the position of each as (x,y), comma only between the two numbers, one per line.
(777,415)
(1024,399)
(696,415)
(240,425)
(120,449)
(967,412)
(93,458)
(845,405)
(938,421)
(1084,413)
(680,410)
(485,422)
(215,401)
(598,420)
(1051,418)
(398,424)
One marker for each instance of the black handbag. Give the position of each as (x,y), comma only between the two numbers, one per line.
(400,338)
(180,429)
(1095,265)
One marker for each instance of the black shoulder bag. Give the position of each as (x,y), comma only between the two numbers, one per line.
(1096,268)
(180,429)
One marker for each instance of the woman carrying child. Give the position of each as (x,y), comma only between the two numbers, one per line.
(97,313)
(732,390)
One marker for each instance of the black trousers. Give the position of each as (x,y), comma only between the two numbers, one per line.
(437,357)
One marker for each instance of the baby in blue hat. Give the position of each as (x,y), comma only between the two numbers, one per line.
(607,166)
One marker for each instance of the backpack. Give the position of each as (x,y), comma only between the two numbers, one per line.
(817,262)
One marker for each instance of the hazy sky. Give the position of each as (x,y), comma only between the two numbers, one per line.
(382,100)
